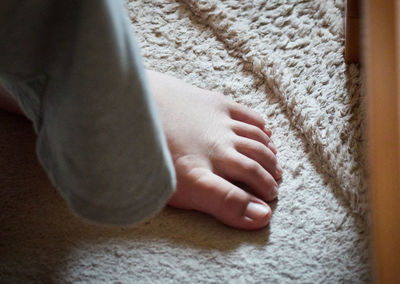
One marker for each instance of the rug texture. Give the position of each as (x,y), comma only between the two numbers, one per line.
(283,59)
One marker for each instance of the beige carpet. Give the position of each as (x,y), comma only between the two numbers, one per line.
(281,58)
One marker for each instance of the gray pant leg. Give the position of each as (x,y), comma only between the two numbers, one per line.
(75,70)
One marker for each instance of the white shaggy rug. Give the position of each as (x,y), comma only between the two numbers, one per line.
(281,58)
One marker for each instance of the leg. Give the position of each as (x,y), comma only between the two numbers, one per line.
(100,142)
(352,31)
(75,71)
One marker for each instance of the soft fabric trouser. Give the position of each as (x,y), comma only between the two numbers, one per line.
(74,69)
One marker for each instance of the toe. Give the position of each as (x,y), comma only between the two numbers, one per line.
(246,115)
(230,204)
(254,133)
(243,169)
(268,131)
(263,155)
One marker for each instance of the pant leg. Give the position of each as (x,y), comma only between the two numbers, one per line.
(75,70)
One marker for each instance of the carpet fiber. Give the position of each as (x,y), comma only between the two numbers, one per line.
(285,60)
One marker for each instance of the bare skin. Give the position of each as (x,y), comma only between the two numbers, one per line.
(8,103)
(215,143)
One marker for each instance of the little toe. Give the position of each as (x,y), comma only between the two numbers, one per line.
(230,204)
(246,115)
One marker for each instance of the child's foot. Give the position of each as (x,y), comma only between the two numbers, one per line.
(215,142)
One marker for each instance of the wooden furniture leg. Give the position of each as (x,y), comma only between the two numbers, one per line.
(382,59)
(352,31)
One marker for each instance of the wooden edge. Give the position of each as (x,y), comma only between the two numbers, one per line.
(352,31)
(383,85)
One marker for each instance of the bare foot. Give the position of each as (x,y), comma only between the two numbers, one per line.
(215,142)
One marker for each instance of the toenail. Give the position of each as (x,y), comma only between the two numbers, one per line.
(267,130)
(279,171)
(272,146)
(256,211)
(273,192)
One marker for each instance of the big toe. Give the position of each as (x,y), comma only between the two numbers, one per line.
(228,203)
